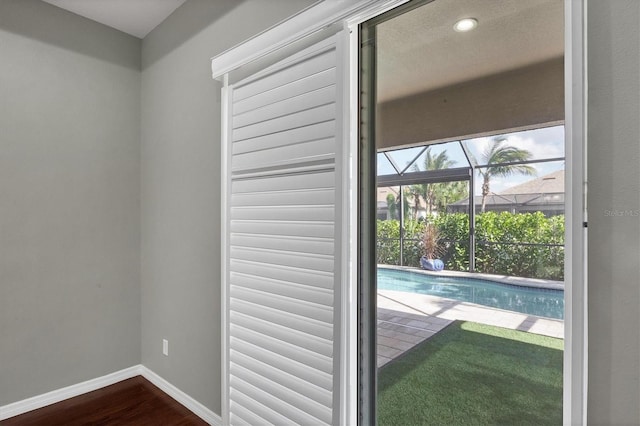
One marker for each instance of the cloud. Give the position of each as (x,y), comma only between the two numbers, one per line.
(543,143)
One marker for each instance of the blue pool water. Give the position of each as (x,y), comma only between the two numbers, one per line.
(527,300)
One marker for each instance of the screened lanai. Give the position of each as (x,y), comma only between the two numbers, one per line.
(496,202)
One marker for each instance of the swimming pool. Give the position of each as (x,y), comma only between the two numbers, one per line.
(527,300)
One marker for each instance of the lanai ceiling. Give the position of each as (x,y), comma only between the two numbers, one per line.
(419,51)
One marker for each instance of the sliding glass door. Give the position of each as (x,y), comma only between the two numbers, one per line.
(462,212)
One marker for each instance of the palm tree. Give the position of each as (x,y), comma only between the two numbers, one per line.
(414,192)
(430,191)
(494,156)
(450,192)
(392,206)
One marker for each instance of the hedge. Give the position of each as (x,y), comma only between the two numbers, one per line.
(505,243)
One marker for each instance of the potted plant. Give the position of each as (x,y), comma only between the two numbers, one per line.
(432,249)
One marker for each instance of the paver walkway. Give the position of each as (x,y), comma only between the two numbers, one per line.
(400,331)
(406,319)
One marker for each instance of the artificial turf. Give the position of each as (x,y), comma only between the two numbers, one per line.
(474,374)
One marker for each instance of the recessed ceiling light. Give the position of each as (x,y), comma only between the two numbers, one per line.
(466,24)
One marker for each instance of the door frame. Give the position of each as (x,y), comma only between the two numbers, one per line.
(349,14)
(575,380)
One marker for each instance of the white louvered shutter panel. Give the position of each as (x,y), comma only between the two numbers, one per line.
(283,242)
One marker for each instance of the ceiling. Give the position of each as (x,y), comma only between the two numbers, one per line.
(419,51)
(134,17)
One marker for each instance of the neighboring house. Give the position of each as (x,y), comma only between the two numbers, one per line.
(383,212)
(544,194)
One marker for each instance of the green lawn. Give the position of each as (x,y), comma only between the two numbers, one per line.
(474,374)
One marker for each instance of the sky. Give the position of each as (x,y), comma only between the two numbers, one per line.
(543,143)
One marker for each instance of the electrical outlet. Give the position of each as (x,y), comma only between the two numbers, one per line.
(165,347)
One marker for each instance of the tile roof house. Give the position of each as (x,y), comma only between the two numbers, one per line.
(544,194)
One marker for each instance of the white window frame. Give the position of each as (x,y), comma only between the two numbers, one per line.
(349,14)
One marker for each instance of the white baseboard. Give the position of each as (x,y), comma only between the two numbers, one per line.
(194,406)
(39,401)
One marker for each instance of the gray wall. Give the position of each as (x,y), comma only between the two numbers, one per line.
(614,206)
(181,186)
(519,98)
(69,209)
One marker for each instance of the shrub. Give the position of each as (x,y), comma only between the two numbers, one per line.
(506,243)
(388,242)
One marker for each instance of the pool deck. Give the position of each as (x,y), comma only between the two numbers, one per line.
(407,319)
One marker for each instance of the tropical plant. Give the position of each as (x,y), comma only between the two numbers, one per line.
(406,208)
(497,157)
(392,206)
(446,193)
(414,192)
(431,242)
(435,194)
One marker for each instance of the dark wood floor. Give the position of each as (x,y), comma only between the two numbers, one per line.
(134,401)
